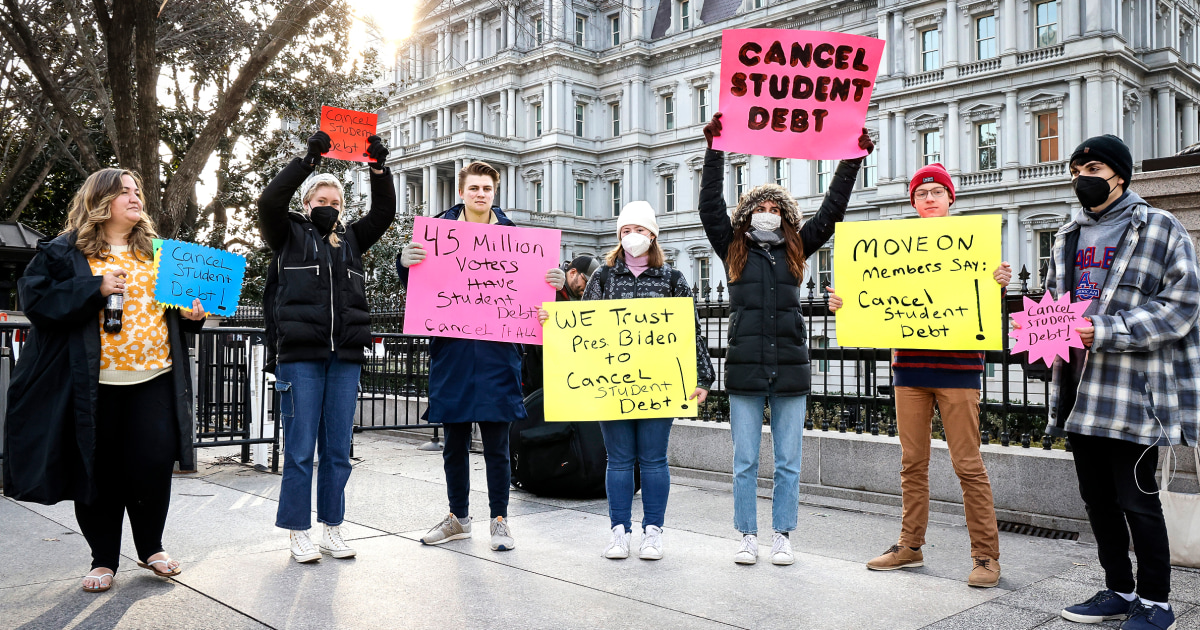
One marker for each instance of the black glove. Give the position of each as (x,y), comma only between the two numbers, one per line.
(377,152)
(318,145)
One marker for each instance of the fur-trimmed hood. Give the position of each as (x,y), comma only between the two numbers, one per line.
(767,192)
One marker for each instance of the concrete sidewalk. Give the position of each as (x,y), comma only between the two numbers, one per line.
(238,573)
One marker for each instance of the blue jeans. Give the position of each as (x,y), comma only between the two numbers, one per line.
(644,442)
(316,401)
(787,431)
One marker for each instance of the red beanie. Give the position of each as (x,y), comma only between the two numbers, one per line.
(930,174)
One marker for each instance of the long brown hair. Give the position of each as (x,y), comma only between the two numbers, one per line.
(735,259)
(92,206)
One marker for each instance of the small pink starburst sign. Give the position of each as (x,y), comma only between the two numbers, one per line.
(1047,328)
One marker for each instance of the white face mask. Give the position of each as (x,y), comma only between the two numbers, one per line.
(765,221)
(635,244)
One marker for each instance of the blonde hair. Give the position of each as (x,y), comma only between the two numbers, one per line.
(309,190)
(92,207)
(656,256)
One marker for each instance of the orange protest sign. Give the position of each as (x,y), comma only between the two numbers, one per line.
(348,130)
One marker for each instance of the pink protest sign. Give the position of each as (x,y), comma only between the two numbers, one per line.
(1047,328)
(479,281)
(795,94)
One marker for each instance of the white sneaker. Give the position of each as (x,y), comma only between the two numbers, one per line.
(781,550)
(332,543)
(748,553)
(618,548)
(302,548)
(652,543)
(502,539)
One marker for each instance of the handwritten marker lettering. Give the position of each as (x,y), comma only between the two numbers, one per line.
(620,359)
(795,94)
(480,281)
(919,283)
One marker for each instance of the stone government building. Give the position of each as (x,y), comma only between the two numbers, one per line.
(582,110)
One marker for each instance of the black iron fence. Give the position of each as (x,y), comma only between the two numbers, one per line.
(851,387)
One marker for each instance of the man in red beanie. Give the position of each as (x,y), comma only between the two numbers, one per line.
(951,380)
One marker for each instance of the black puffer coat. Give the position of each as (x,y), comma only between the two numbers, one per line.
(767,339)
(320,303)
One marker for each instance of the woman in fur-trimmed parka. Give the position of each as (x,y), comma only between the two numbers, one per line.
(764,248)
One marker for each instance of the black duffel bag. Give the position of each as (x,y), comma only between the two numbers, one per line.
(556,459)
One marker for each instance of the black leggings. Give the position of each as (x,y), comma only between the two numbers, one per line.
(1118,509)
(457,464)
(137,441)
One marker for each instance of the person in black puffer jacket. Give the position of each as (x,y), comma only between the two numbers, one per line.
(764,248)
(320,325)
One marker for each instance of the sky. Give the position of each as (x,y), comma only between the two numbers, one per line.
(394,21)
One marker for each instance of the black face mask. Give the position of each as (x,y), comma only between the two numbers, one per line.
(1091,191)
(324,217)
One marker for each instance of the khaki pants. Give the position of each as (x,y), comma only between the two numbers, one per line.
(960,417)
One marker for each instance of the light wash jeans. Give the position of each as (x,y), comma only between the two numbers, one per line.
(787,430)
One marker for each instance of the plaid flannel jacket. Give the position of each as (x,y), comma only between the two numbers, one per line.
(1141,378)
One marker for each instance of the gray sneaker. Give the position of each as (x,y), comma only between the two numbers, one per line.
(449,529)
(502,539)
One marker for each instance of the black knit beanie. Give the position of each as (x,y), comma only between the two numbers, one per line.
(1110,150)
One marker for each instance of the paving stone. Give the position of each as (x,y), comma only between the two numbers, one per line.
(992,616)
(136,601)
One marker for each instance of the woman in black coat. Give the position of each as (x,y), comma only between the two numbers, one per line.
(764,248)
(101,418)
(320,326)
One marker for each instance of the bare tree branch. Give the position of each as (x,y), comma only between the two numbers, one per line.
(93,69)
(21,39)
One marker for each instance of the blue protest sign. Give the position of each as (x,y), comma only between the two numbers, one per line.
(187,271)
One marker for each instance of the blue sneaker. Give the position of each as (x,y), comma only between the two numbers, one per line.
(1103,606)
(1143,617)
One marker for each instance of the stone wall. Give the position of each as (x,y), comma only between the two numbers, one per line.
(1030,486)
(1176,190)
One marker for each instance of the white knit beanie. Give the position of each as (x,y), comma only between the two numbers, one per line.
(321,179)
(638,213)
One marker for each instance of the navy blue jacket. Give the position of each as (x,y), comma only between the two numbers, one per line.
(472,380)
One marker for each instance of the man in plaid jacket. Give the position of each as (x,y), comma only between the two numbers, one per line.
(1135,386)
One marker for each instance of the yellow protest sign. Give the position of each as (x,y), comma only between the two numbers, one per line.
(919,283)
(620,359)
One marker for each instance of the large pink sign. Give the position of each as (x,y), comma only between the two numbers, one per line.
(795,94)
(479,281)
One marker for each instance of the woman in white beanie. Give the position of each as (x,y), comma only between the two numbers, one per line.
(764,247)
(635,268)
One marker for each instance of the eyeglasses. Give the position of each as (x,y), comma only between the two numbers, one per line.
(936,193)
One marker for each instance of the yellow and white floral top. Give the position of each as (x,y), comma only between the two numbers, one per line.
(142,350)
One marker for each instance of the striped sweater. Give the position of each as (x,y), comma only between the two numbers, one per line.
(937,368)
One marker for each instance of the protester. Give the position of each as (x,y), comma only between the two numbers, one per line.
(95,417)
(320,324)
(577,271)
(1134,385)
(767,360)
(636,268)
(951,380)
(474,381)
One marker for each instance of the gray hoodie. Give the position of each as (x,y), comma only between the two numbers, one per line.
(1100,236)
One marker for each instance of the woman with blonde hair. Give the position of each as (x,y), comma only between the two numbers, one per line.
(320,325)
(100,417)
